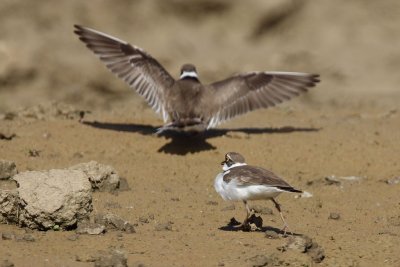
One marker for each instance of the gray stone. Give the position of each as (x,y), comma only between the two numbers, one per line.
(299,243)
(55,197)
(90,228)
(271,234)
(113,258)
(114,222)
(7,236)
(102,177)
(305,244)
(7,169)
(28,238)
(263,260)
(164,226)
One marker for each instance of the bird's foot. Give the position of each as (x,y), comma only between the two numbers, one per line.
(286,230)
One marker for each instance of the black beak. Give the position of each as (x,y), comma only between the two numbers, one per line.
(222,163)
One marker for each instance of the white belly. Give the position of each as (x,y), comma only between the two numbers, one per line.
(232,191)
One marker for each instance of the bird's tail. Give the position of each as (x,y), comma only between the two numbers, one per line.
(290,189)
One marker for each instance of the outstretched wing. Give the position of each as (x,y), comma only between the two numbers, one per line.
(242,93)
(137,68)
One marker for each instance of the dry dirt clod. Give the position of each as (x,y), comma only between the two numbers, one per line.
(263,260)
(102,177)
(114,222)
(55,197)
(305,244)
(7,169)
(9,206)
(164,226)
(90,228)
(113,258)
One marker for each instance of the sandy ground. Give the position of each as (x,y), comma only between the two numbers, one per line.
(347,126)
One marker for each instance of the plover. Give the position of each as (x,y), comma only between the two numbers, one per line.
(185,103)
(240,181)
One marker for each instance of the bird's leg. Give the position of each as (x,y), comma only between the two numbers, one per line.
(245,223)
(285,225)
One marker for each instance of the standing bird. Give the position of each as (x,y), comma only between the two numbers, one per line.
(240,181)
(186,103)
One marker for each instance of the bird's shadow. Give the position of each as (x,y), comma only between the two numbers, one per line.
(234,226)
(184,143)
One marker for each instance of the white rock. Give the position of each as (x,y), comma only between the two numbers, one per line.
(351,178)
(55,197)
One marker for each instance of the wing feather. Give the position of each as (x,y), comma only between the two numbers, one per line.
(138,69)
(243,93)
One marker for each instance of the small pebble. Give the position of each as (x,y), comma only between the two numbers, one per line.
(90,228)
(164,226)
(334,216)
(7,236)
(271,234)
(73,237)
(27,238)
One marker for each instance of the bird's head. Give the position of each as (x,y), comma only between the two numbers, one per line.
(232,159)
(188,71)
